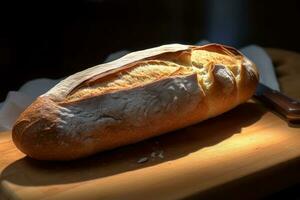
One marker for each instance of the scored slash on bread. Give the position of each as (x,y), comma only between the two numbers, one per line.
(141,95)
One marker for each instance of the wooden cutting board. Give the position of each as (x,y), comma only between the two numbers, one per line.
(247,152)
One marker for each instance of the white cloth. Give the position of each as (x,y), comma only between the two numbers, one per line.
(17,101)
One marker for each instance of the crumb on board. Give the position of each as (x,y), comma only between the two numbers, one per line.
(153,155)
(161,154)
(142,160)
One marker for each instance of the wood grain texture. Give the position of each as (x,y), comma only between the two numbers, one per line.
(242,153)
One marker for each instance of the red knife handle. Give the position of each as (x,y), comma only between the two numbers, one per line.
(284,105)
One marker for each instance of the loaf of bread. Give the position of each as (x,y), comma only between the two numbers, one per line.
(141,95)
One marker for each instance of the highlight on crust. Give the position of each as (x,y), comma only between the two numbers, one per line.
(200,61)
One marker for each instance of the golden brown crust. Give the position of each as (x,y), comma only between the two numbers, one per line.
(74,128)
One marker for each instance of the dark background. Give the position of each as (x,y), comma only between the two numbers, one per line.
(54,39)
